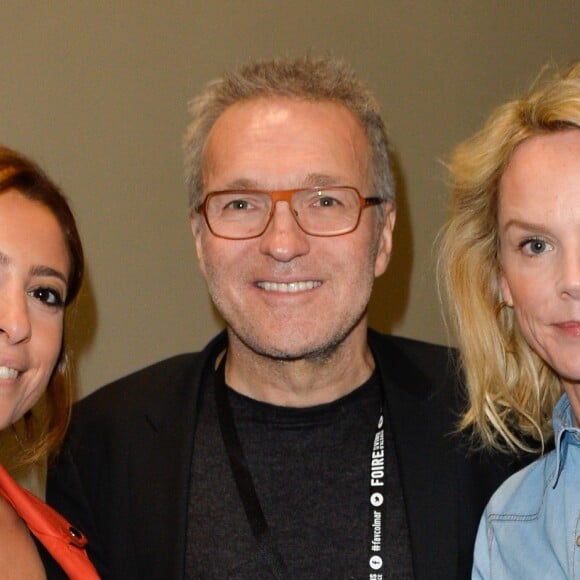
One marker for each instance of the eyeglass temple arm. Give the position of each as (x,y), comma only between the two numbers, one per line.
(368,201)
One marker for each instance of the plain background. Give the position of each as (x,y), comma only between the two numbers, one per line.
(97,92)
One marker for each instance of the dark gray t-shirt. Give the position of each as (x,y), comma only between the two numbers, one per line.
(311,470)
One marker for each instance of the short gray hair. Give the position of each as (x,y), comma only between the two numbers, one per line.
(306,78)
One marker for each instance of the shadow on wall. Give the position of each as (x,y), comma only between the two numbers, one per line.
(390,296)
(81,328)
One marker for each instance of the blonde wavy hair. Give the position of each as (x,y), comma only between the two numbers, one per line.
(512,391)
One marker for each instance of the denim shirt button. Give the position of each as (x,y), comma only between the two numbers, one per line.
(578,541)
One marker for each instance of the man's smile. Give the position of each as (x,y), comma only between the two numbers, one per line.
(289,287)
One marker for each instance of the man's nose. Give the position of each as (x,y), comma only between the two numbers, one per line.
(283,239)
(15,324)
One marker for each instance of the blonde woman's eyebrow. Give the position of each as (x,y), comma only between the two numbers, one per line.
(524,225)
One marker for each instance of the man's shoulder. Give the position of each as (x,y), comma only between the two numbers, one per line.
(168,379)
(410,346)
(162,389)
(146,381)
(155,375)
(425,361)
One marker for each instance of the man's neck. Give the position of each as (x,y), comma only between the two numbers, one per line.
(303,382)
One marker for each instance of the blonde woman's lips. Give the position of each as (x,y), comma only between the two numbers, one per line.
(570,327)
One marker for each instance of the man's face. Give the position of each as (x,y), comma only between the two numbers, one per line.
(287,294)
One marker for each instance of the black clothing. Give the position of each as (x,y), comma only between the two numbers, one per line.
(311,468)
(124,475)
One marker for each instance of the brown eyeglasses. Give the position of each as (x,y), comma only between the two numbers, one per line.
(322,211)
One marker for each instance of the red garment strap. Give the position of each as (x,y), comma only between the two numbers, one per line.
(64,542)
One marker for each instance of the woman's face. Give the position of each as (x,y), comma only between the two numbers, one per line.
(539,230)
(34,270)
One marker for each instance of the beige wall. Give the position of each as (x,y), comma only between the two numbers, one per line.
(96,90)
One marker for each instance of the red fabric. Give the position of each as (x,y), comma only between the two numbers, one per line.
(63,541)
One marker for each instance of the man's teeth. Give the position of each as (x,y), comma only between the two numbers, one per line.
(291,287)
(8,373)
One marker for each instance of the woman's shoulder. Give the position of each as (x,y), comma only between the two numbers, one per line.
(17,549)
(523,493)
(9,519)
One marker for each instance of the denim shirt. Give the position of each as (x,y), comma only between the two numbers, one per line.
(531,526)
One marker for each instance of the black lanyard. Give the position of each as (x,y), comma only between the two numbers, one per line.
(247,491)
(243,478)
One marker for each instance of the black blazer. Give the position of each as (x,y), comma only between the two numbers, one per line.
(123,476)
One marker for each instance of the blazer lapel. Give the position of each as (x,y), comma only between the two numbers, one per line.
(168,442)
(420,417)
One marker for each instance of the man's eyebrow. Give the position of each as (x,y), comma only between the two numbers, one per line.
(320,180)
(4,259)
(242,183)
(48,272)
(311,180)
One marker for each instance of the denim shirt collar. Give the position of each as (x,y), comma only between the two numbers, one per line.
(565,433)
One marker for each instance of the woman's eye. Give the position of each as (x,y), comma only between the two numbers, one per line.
(535,246)
(47,296)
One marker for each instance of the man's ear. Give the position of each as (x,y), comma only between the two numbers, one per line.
(196,224)
(385,243)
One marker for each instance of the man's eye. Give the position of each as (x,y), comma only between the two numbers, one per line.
(47,296)
(237,204)
(326,201)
